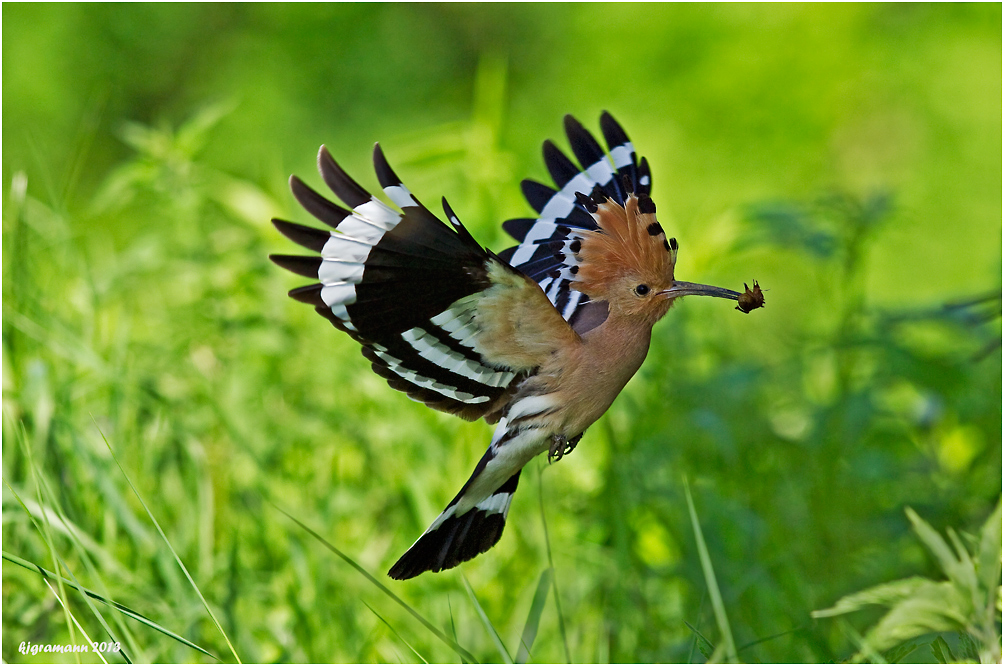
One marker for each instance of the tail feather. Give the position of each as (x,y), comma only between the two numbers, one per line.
(452,540)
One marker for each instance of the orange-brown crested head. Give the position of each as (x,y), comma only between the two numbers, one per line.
(629,261)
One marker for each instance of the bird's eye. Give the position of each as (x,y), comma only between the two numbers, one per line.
(641,290)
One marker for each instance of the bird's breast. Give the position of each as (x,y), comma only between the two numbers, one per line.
(583,383)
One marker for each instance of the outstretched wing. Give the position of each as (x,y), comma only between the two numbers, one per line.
(418,295)
(546,241)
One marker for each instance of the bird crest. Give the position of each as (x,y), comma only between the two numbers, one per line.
(628,241)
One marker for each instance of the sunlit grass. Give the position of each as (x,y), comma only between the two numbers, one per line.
(179,394)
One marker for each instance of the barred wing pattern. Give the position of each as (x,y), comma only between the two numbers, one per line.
(403,285)
(547,244)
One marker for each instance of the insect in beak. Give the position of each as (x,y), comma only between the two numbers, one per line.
(747,301)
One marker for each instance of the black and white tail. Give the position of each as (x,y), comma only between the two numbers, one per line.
(473,521)
(457,537)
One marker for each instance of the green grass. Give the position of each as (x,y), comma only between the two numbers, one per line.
(847,157)
(728,646)
(174,553)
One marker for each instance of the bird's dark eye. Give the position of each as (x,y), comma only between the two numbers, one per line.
(641,290)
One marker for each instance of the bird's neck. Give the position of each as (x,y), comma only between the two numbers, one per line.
(619,345)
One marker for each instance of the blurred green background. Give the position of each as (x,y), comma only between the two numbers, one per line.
(848,157)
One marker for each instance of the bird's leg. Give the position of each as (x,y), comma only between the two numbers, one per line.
(557,450)
(560,446)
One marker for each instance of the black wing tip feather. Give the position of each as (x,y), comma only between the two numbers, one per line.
(614,134)
(586,202)
(456,540)
(518,227)
(341,183)
(537,194)
(455,222)
(584,145)
(570,124)
(385,175)
(302,265)
(309,294)
(309,237)
(317,205)
(645,187)
(560,167)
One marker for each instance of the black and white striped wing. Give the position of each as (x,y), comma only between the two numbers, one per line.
(404,285)
(547,244)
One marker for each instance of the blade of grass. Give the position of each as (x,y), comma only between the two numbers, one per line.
(534,617)
(453,626)
(464,653)
(551,566)
(168,542)
(743,648)
(710,581)
(604,642)
(955,569)
(717,654)
(694,644)
(65,527)
(85,558)
(47,532)
(391,628)
(496,639)
(701,641)
(67,610)
(73,535)
(989,554)
(989,572)
(136,616)
(864,648)
(75,583)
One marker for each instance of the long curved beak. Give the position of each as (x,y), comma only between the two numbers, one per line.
(681,288)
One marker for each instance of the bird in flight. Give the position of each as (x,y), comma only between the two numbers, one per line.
(538,339)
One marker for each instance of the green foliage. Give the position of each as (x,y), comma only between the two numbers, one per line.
(968,601)
(722,621)
(464,654)
(111,603)
(146,148)
(534,617)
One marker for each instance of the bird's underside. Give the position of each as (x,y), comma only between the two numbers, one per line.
(470,332)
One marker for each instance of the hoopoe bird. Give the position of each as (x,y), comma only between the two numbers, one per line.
(539,339)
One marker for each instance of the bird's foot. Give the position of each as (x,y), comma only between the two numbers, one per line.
(560,446)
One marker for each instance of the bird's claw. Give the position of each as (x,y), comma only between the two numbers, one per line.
(557,449)
(560,446)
